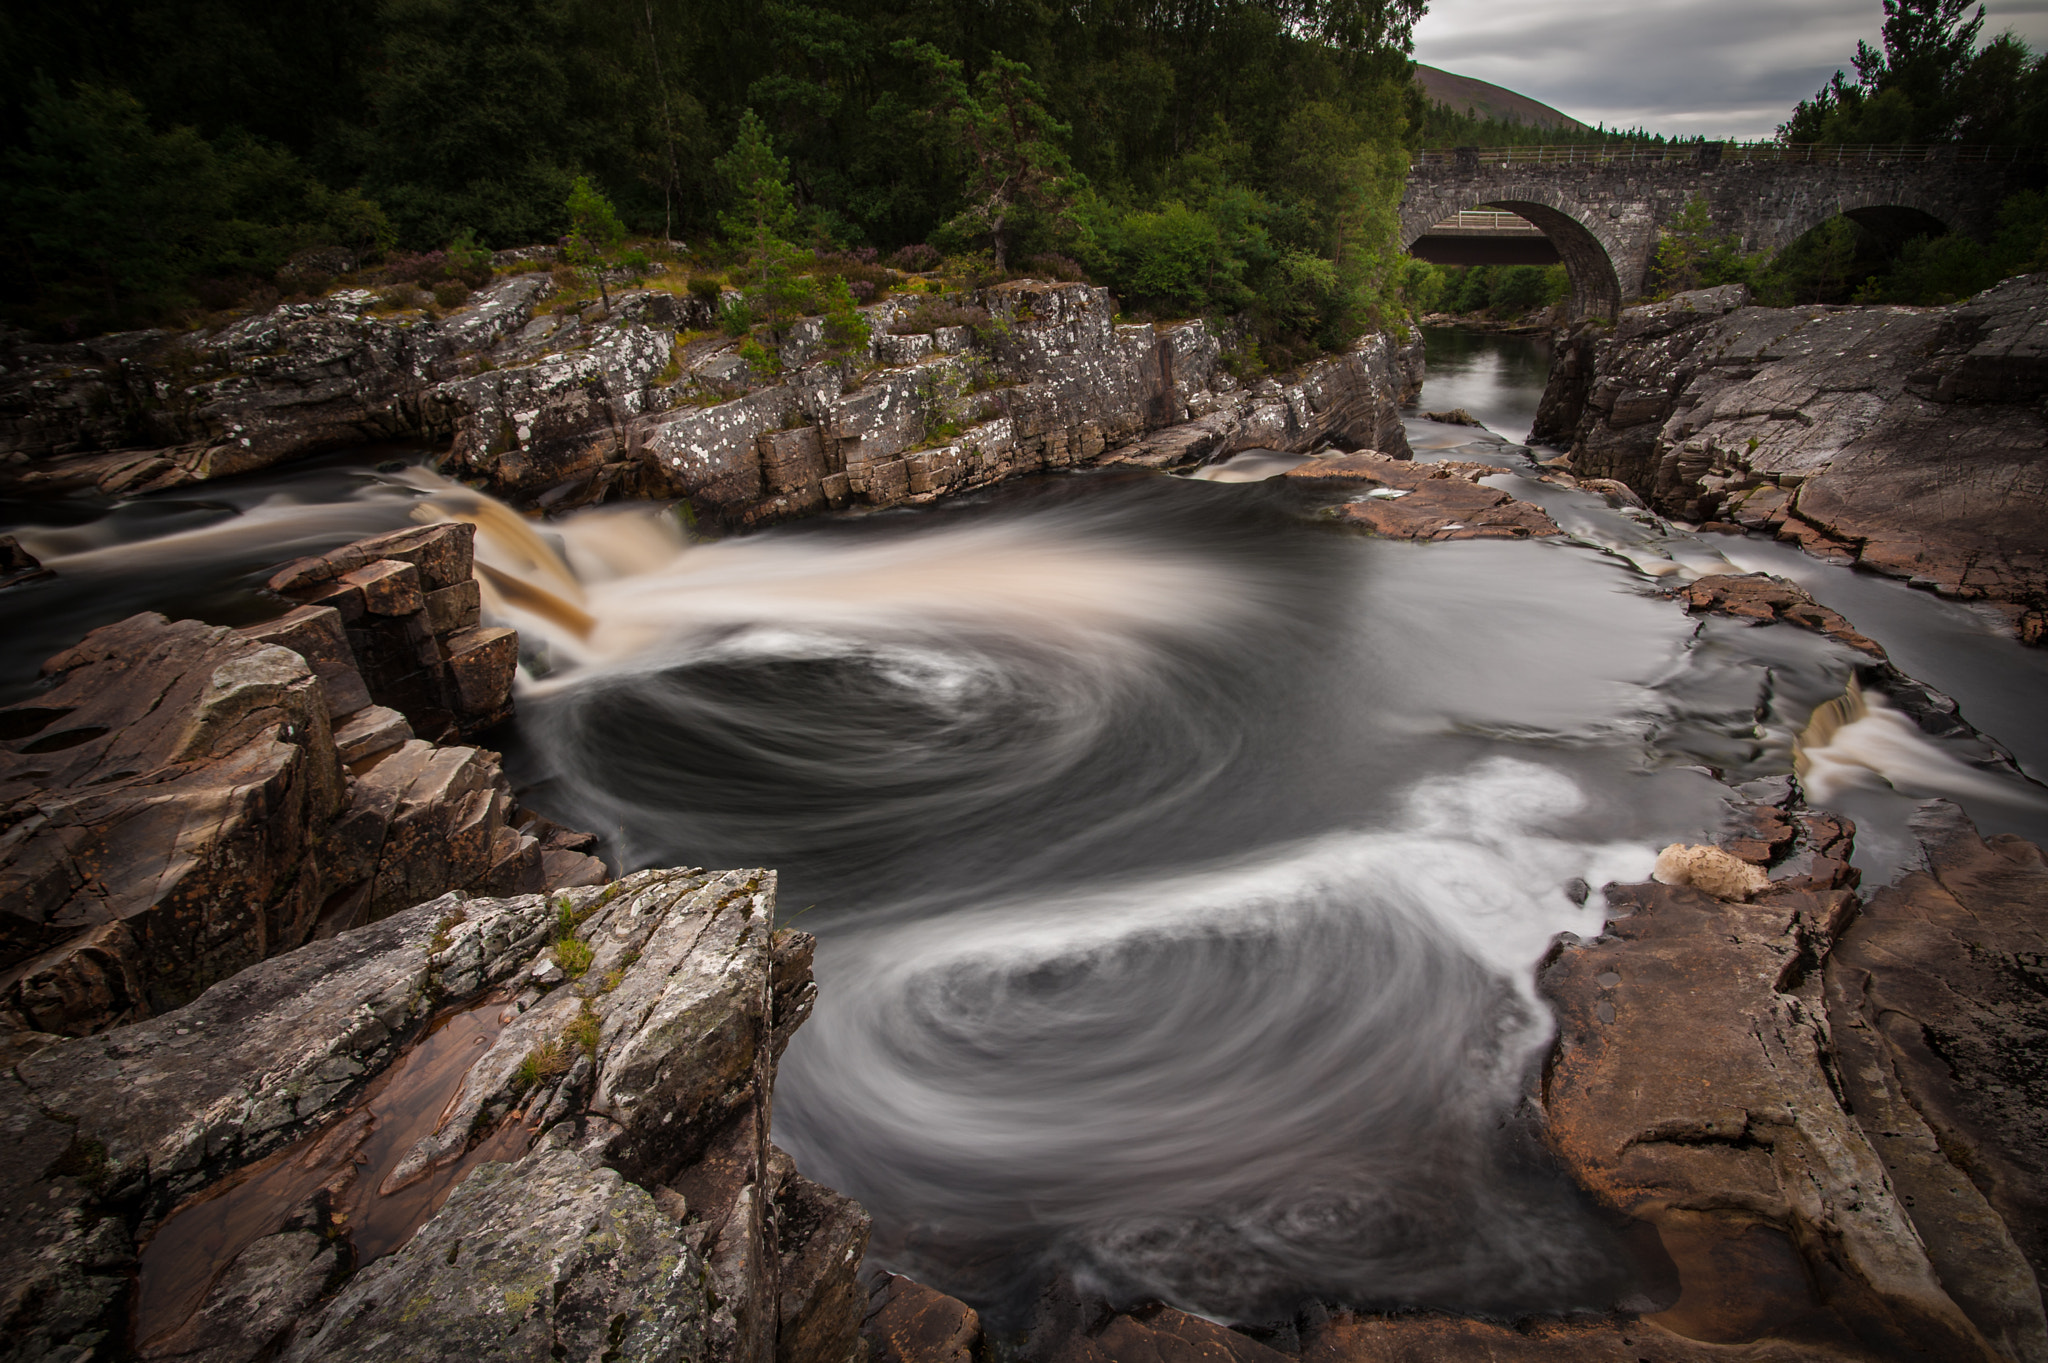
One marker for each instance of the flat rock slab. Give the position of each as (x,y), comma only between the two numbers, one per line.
(1935,993)
(1439,500)
(551,1257)
(1765,599)
(1907,439)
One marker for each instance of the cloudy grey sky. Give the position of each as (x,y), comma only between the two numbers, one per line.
(1721,68)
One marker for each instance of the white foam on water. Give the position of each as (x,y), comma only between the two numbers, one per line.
(1883,747)
(1216,1057)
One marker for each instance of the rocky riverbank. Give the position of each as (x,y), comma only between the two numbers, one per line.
(185,800)
(542,1120)
(1816,1111)
(560,408)
(1909,440)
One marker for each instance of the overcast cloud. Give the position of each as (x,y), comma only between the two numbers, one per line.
(1719,68)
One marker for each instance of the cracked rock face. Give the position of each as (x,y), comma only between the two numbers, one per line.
(631,1205)
(560,410)
(185,800)
(1907,439)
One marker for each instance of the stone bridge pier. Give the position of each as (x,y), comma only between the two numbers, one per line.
(1604,208)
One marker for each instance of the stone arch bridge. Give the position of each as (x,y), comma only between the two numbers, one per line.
(1603,207)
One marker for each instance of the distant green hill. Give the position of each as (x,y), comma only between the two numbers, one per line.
(1481,100)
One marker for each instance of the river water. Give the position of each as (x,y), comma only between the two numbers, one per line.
(1179,863)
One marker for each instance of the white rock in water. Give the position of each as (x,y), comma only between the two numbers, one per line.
(1710,870)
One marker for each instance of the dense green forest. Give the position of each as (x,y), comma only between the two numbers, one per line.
(1202,155)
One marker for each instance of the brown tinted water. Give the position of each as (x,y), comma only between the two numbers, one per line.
(341,1167)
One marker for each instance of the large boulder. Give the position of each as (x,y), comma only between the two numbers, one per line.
(1910,440)
(534,1127)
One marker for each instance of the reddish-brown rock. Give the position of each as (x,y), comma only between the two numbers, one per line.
(1906,439)
(187,800)
(908,1322)
(1766,599)
(1160,1334)
(411,611)
(1440,500)
(165,799)
(1690,1088)
(1936,999)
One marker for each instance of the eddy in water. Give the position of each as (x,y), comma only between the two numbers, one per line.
(1178,903)
(1180,868)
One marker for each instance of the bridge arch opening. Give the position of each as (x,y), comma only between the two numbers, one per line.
(1465,239)
(1596,288)
(1841,255)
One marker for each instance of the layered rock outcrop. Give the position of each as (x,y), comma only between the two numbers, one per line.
(185,800)
(1911,440)
(599,1135)
(559,408)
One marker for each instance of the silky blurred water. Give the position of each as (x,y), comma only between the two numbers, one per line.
(1180,863)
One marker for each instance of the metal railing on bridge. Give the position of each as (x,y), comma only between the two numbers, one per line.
(1485,222)
(1784,153)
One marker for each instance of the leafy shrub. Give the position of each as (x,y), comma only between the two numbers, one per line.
(845,327)
(451,293)
(916,259)
(1523,289)
(469,261)
(736,318)
(931,314)
(1055,266)
(217,295)
(706,288)
(426,267)
(862,289)
(399,296)
(856,267)
(760,359)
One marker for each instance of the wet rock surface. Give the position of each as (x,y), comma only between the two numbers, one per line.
(1909,440)
(410,606)
(1768,600)
(17,564)
(1935,996)
(1822,1119)
(1438,500)
(644,1070)
(559,409)
(185,800)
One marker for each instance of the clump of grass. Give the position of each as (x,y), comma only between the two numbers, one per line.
(444,932)
(610,980)
(586,1031)
(574,955)
(544,1061)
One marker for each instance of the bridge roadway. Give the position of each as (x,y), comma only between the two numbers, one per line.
(1603,207)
